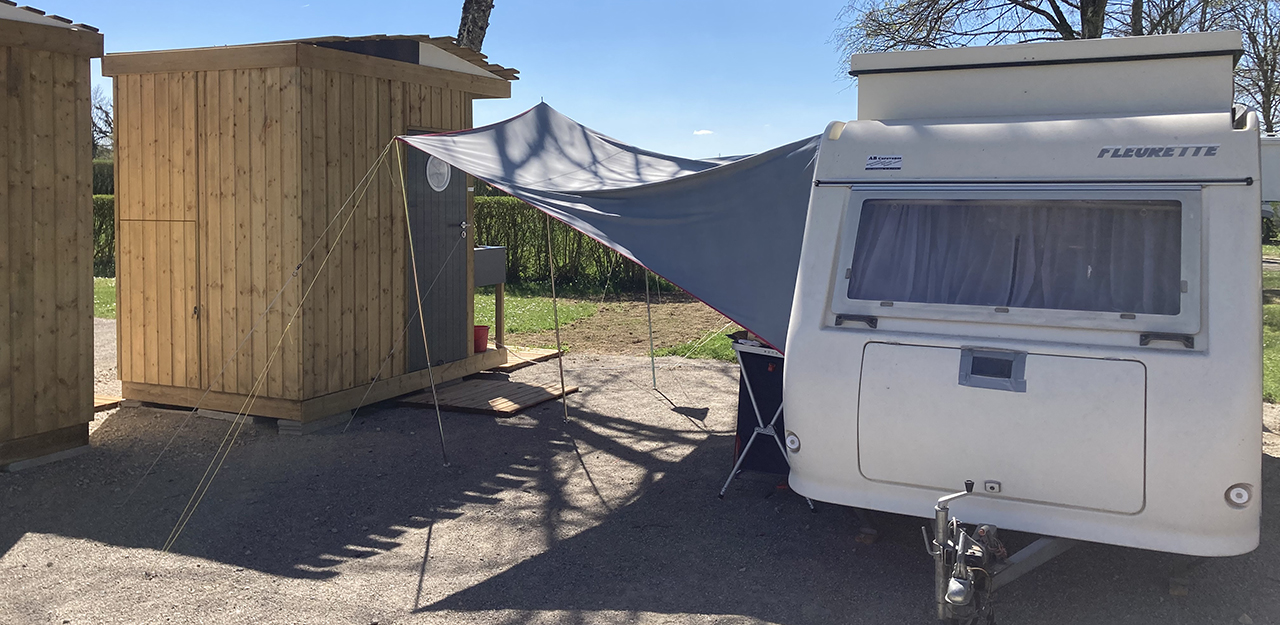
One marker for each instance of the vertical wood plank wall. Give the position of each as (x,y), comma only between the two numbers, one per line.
(361,324)
(46,251)
(207,205)
(225,179)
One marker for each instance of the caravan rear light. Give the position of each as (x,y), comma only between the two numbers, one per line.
(1238,496)
(793,442)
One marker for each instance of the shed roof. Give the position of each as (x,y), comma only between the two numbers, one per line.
(414,58)
(447,44)
(11,11)
(29,27)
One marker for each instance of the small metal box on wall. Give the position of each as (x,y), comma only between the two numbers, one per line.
(491,265)
(46,235)
(491,270)
(233,164)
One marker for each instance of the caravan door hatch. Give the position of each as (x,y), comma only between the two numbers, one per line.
(1058,430)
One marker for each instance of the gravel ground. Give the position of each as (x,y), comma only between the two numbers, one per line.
(608,518)
(106,377)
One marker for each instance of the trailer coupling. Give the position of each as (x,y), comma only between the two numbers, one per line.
(970,567)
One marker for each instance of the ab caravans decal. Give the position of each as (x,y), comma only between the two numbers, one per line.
(875,162)
(1158,151)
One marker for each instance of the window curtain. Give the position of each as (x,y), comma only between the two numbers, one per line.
(1112,256)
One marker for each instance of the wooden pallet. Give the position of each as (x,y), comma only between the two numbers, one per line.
(500,398)
(521,357)
(105,402)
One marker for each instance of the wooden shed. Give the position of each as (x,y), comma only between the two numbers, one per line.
(46,234)
(231,163)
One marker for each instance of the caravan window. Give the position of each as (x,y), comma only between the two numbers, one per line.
(1113,256)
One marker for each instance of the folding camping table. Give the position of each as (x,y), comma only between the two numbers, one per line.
(767,429)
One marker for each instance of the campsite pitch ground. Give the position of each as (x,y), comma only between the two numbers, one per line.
(608,518)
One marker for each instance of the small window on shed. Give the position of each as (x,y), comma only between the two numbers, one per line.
(1108,256)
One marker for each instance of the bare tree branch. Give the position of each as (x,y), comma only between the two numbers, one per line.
(104,132)
(1258,72)
(880,25)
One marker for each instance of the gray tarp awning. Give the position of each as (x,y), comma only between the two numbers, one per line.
(727,231)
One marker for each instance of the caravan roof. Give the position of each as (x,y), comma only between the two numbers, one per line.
(1188,73)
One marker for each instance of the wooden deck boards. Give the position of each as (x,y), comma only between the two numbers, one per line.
(500,398)
(521,357)
(105,402)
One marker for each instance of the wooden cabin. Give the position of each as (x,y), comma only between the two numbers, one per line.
(46,234)
(232,164)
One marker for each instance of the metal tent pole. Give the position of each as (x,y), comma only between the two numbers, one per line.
(555,315)
(653,365)
(422,321)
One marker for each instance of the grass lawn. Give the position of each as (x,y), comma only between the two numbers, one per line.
(104,298)
(525,313)
(1272,251)
(530,313)
(1271,336)
(714,345)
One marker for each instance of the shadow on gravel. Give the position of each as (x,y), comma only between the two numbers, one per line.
(289,506)
(296,507)
(679,551)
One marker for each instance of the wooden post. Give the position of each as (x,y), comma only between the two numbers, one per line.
(499,317)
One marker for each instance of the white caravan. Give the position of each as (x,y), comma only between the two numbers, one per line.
(1271,167)
(1037,267)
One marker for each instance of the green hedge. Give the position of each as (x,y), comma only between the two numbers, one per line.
(104,236)
(104,177)
(581,263)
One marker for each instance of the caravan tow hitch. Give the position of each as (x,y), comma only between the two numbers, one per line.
(969,568)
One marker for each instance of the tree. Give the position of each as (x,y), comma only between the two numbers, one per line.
(475,21)
(1258,73)
(100,115)
(883,25)
(1162,17)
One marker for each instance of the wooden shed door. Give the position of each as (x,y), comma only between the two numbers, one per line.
(159,333)
(435,219)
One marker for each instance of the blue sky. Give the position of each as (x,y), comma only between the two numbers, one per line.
(653,73)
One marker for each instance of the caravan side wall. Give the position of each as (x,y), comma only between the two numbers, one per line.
(1106,439)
